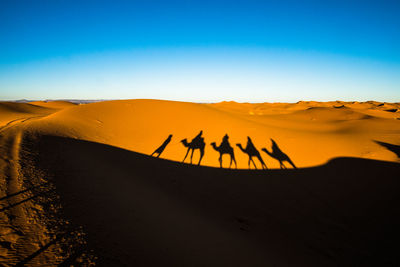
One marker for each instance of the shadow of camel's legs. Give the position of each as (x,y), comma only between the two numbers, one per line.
(263,165)
(291,163)
(255,167)
(234,160)
(187,152)
(191,156)
(201,156)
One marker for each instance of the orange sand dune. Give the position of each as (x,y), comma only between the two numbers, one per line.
(54,104)
(63,166)
(17,111)
(310,133)
(14,113)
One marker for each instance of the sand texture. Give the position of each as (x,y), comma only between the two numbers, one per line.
(78,185)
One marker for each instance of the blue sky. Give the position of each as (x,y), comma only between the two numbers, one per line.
(200,50)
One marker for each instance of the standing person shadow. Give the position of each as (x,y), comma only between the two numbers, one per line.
(252,151)
(162,147)
(225,148)
(197,143)
(278,154)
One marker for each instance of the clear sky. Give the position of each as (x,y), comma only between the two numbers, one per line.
(207,51)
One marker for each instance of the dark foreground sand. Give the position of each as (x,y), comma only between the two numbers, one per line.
(142,211)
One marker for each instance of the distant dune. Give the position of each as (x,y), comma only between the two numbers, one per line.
(310,133)
(77,183)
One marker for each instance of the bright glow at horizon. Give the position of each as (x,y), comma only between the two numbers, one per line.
(179,57)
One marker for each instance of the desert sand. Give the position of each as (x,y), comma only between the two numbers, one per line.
(78,184)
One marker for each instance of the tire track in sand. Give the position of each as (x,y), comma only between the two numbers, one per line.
(22,229)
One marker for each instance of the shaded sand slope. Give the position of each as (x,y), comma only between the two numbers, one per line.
(54,104)
(12,114)
(143,211)
(310,133)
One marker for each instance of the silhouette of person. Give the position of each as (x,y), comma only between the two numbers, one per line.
(275,147)
(162,147)
(250,144)
(198,137)
(225,140)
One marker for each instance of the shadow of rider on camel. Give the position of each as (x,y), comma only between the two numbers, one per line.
(197,143)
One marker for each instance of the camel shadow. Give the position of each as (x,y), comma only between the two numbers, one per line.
(393,148)
(225,148)
(279,155)
(161,148)
(252,151)
(196,143)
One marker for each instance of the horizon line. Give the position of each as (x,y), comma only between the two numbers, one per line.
(78,100)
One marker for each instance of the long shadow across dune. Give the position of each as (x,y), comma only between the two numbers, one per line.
(393,148)
(142,211)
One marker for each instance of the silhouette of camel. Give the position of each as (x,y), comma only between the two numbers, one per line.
(252,151)
(162,147)
(277,154)
(224,148)
(197,143)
